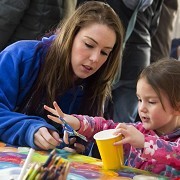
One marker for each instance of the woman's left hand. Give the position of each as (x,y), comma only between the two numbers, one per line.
(46,139)
(75,146)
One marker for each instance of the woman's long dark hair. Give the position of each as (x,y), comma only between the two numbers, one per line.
(55,75)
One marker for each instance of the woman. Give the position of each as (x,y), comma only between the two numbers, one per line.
(75,67)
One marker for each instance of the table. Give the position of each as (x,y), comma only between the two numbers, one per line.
(81,167)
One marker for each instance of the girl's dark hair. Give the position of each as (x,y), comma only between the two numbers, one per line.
(164,76)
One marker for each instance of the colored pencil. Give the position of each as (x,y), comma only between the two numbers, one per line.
(26,163)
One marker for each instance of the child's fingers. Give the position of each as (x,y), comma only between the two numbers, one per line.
(124,132)
(123,141)
(125,138)
(57,108)
(51,110)
(118,126)
(55,119)
(121,125)
(117,132)
(56,111)
(121,129)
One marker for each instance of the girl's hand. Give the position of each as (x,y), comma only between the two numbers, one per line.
(46,139)
(130,135)
(71,120)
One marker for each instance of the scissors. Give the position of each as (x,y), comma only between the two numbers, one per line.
(71,131)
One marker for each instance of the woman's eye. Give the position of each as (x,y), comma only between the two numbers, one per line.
(91,46)
(104,53)
(88,45)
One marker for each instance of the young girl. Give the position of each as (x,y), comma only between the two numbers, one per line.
(75,67)
(154,143)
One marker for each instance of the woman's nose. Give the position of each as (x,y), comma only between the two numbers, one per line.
(94,56)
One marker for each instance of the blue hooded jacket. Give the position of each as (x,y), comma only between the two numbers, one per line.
(18,71)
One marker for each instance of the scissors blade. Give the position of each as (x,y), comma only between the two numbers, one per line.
(71,130)
(80,135)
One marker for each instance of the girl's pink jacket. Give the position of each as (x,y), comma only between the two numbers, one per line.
(160,155)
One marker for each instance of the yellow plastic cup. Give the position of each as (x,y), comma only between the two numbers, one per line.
(112,156)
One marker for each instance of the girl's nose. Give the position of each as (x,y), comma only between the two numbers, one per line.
(142,107)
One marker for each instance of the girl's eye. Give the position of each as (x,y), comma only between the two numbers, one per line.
(139,100)
(152,102)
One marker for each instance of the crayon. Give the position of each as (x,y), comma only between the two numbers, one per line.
(57,173)
(54,168)
(44,174)
(52,161)
(66,170)
(36,170)
(29,172)
(49,158)
(59,162)
(56,160)
(38,175)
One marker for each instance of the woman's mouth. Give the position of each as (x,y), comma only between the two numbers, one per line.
(87,68)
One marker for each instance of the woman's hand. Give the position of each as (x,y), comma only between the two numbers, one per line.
(76,147)
(46,139)
(71,120)
(130,135)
